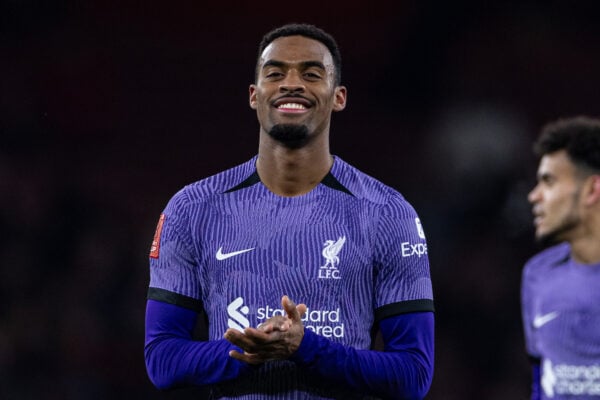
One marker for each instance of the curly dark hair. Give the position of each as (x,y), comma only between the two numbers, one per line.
(309,31)
(579,136)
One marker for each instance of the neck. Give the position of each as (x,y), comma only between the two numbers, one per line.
(585,248)
(292,172)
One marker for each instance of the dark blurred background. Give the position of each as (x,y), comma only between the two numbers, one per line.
(108,108)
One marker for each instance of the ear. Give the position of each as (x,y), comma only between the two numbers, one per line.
(339,101)
(592,190)
(252,99)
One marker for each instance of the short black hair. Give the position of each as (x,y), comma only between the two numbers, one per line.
(579,136)
(309,31)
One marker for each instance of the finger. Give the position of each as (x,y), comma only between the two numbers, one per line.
(259,335)
(239,339)
(290,308)
(277,323)
(245,357)
(301,309)
(265,327)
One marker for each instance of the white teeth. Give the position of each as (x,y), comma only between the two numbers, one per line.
(292,105)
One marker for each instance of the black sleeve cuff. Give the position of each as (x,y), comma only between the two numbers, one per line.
(403,307)
(174,298)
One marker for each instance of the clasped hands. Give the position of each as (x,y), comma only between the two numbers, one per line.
(275,339)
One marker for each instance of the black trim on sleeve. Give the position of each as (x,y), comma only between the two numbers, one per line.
(249,181)
(403,307)
(174,298)
(333,183)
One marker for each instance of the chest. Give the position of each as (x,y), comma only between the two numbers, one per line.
(566,316)
(312,249)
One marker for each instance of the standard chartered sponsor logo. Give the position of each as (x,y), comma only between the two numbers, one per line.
(237,314)
(548,378)
(570,379)
(326,323)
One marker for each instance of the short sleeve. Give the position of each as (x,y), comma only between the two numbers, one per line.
(173,263)
(403,281)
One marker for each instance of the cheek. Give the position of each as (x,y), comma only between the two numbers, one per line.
(552,200)
(260,106)
(558,204)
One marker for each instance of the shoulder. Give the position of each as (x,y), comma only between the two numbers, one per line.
(213,185)
(368,189)
(547,259)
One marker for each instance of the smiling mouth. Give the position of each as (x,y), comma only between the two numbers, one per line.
(291,107)
(292,104)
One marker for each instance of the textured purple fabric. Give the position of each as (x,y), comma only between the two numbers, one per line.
(561,318)
(353,250)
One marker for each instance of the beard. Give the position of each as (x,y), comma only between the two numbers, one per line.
(291,136)
(562,231)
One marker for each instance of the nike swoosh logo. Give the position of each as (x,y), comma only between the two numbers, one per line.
(541,320)
(224,256)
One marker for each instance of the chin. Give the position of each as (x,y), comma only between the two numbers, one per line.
(545,238)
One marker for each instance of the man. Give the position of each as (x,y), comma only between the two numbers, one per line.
(561,285)
(294,222)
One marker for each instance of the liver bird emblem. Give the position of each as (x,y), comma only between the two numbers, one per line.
(331,251)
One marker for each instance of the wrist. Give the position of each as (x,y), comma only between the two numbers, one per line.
(306,352)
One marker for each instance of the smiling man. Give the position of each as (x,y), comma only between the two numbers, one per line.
(561,285)
(293,222)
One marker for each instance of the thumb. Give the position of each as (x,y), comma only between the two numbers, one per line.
(290,308)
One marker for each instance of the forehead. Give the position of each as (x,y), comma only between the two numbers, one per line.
(297,49)
(557,163)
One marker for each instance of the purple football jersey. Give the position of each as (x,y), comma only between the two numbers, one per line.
(353,250)
(561,318)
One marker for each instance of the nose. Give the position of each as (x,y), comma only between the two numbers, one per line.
(292,83)
(534,195)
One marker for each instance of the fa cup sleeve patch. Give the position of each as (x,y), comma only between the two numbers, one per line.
(155,248)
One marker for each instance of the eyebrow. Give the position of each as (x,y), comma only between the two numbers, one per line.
(303,64)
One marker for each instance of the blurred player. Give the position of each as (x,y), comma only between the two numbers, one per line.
(561,285)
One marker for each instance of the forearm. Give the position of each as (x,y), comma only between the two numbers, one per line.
(403,371)
(174,359)
(536,380)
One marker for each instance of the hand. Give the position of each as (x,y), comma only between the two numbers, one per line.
(279,322)
(276,339)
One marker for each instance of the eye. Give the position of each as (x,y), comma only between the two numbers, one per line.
(312,76)
(547,180)
(273,74)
